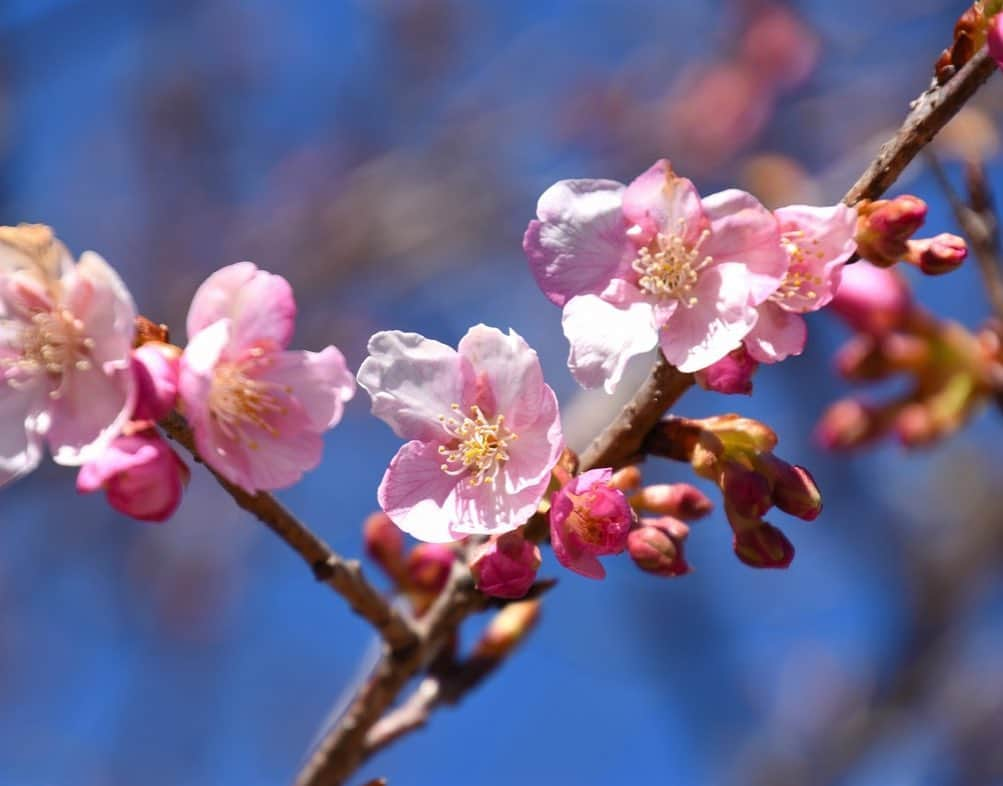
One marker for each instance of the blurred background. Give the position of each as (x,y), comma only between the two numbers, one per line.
(385,156)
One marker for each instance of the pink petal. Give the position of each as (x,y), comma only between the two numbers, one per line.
(90,412)
(580,240)
(417,495)
(533,455)
(196,371)
(413,381)
(485,510)
(95,294)
(320,382)
(260,306)
(697,336)
(660,201)
(744,231)
(820,240)
(603,337)
(20,442)
(778,334)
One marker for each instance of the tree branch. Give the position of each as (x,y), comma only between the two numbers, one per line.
(343,576)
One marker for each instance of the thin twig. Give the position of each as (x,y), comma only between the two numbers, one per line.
(343,576)
(978,221)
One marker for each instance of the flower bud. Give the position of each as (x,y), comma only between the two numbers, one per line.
(140,475)
(506,566)
(626,479)
(885,226)
(794,489)
(384,543)
(871,300)
(428,567)
(734,431)
(861,359)
(589,518)
(507,628)
(763,546)
(745,490)
(730,375)
(673,499)
(847,424)
(938,255)
(156,367)
(657,547)
(995,39)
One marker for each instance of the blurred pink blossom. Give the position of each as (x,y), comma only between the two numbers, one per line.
(156,366)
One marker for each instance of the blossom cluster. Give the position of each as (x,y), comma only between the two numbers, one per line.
(719,284)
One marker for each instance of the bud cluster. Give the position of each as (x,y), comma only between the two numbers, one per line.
(736,454)
(953,372)
(885,230)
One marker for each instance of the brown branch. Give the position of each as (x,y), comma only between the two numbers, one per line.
(344,748)
(343,576)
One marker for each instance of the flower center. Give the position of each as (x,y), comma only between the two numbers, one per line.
(240,405)
(669,268)
(52,343)
(481,445)
(798,281)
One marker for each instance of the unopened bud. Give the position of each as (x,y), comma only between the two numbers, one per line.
(626,479)
(384,543)
(871,299)
(915,425)
(794,489)
(995,39)
(885,226)
(861,359)
(730,375)
(763,546)
(657,546)
(737,432)
(155,366)
(745,490)
(507,628)
(673,499)
(428,567)
(506,566)
(938,255)
(846,424)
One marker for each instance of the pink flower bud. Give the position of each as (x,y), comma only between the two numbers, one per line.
(626,479)
(915,425)
(938,255)
(506,566)
(657,546)
(871,299)
(428,567)
(384,543)
(155,366)
(995,39)
(885,226)
(507,628)
(861,359)
(673,499)
(589,518)
(794,489)
(847,424)
(745,490)
(763,546)
(140,474)
(730,375)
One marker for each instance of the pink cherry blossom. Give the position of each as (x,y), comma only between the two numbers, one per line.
(141,475)
(817,241)
(483,426)
(652,264)
(258,410)
(506,566)
(731,375)
(589,518)
(65,340)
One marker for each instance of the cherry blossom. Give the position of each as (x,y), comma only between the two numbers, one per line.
(483,428)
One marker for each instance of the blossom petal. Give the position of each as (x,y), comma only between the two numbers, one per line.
(580,240)
(819,240)
(699,335)
(259,304)
(604,337)
(90,412)
(744,231)
(778,334)
(534,454)
(95,294)
(417,495)
(196,371)
(660,201)
(412,381)
(320,382)
(20,443)
(482,510)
